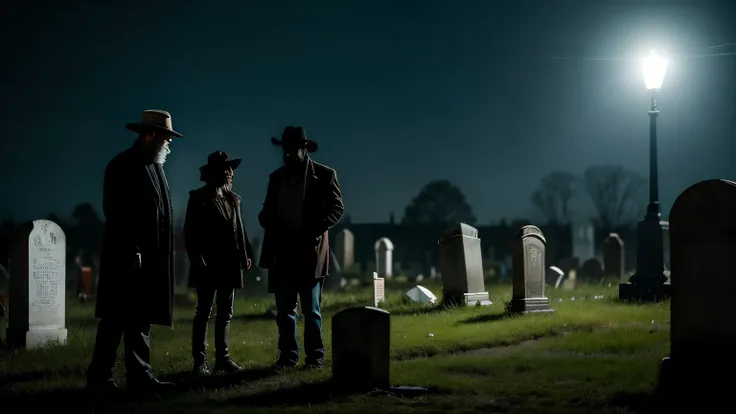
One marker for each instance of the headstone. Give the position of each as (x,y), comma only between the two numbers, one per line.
(529,266)
(583,240)
(421,294)
(703,333)
(461,265)
(37,286)
(591,271)
(613,257)
(361,342)
(379,289)
(87,280)
(384,249)
(345,249)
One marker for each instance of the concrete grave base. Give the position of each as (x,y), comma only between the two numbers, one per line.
(36,338)
(529,305)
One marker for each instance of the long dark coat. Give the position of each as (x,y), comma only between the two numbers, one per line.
(219,241)
(136,221)
(306,253)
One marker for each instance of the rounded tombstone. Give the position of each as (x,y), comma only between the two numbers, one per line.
(384,257)
(703,246)
(529,272)
(361,339)
(613,256)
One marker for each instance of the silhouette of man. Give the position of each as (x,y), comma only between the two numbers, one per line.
(303,202)
(218,251)
(136,280)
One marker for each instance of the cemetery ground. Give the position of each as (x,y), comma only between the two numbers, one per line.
(593,354)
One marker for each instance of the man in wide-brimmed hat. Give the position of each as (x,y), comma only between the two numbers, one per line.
(303,202)
(219,251)
(136,279)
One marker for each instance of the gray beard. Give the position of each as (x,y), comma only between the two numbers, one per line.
(159,157)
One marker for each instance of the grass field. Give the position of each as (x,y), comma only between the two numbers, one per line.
(591,355)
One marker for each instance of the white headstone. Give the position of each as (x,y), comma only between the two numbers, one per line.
(583,240)
(384,257)
(529,272)
(461,266)
(37,307)
(345,249)
(422,295)
(379,289)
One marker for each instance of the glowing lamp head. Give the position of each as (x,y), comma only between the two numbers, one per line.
(654,68)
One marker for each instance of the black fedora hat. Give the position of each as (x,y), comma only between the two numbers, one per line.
(218,160)
(295,135)
(154,119)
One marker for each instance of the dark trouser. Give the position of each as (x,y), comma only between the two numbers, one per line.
(205,299)
(286,302)
(137,350)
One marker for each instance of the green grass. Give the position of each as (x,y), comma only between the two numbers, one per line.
(591,355)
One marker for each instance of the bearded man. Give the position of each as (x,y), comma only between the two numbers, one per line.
(136,279)
(219,251)
(303,201)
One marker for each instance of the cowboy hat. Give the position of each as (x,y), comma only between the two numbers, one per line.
(218,160)
(154,119)
(295,136)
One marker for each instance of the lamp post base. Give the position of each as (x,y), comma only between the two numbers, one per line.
(649,283)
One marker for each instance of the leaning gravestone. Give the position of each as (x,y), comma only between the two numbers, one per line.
(379,289)
(613,257)
(361,340)
(461,265)
(529,272)
(703,332)
(37,285)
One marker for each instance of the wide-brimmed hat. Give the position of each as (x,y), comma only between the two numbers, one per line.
(218,160)
(154,119)
(295,136)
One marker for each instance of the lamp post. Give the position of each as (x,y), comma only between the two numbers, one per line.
(648,282)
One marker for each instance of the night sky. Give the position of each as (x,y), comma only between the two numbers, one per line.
(396,93)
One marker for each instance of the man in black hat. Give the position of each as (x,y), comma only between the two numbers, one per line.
(136,279)
(303,202)
(219,251)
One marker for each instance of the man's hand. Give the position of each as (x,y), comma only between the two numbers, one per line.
(138,261)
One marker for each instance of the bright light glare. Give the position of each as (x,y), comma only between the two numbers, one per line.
(654,68)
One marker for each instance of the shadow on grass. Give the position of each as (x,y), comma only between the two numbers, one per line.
(51,400)
(316,393)
(487,318)
(639,402)
(186,381)
(9,379)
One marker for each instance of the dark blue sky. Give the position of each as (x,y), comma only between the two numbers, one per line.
(396,92)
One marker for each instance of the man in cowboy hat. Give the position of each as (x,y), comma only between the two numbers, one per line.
(136,278)
(218,250)
(303,202)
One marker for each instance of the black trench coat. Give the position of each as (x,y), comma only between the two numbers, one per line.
(219,241)
(293,264)
(136,222)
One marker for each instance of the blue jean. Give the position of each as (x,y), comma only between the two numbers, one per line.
(286,303)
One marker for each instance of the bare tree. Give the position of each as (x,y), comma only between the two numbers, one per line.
(552,197)
(618,195)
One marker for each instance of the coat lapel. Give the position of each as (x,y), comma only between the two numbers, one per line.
(155,186)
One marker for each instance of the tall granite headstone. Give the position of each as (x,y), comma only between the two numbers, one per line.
(384,250)
(529,272)
(37,308)
(461,266)
(613,257)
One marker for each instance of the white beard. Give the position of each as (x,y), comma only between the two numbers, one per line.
(160,156)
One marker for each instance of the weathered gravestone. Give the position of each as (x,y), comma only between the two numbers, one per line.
(613,257)
(583,240)
(703,332)
(361,341)
(37,285)
(345,249)
(379,289)
(529,272)
(591,271)
(384,249)
(461,266)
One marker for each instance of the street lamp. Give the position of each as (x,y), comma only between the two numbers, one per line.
(650,276)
